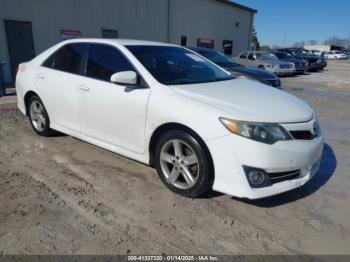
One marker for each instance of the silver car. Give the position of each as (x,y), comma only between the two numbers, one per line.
(267,61)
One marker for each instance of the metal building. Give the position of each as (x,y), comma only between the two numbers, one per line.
(29,27)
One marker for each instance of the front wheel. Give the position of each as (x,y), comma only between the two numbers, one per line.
(183,164)
(38,117)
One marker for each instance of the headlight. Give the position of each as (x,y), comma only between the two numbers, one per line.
(267,133)
(276,66)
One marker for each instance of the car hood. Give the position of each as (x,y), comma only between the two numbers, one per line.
(292,60)
(249,100)
(251,71)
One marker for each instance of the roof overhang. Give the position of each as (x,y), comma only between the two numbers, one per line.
(238,6)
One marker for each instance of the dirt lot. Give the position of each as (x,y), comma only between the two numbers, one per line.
(62,196)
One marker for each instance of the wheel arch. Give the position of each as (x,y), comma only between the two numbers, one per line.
(176,126)
(27,96)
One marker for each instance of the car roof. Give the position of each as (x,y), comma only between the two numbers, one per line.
(124,42)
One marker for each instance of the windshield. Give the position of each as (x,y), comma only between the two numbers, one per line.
(266,56)
(283,55)
(299,52)
(217,58)
(177,66)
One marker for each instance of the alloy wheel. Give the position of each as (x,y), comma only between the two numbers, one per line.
(37,115)
(179,164)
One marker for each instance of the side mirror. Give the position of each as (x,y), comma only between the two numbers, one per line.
(125,78)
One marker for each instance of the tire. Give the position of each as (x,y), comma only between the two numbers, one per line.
(186,170)
(38,117)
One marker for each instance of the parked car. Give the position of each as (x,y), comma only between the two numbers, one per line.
(301,65)
(267,61)
(315,52)
(236,69)
(168,107)
(336,55)
(316,62)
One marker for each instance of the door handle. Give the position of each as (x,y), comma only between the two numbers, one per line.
(83,87)
(40,76)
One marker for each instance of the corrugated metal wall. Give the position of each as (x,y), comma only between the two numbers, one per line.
(136,19)
(210,20)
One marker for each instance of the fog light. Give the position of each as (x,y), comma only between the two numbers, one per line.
(256,177)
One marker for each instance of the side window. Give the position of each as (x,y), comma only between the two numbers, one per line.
(103,61)
(251,57)
(67,58)
(243,56)
(49,61)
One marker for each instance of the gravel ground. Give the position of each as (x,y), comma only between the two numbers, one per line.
(60,195)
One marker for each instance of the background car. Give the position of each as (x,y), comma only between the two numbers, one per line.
(336,55)
(301,65)
(229,64)
(316,62)
(267,61)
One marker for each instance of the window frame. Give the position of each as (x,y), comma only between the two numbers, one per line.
(83,63)
(83,58)
(112,46)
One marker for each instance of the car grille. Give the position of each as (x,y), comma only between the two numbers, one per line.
(302,135)
(285,66)
(283,176)
(313,60)
(300,66)
(274,82)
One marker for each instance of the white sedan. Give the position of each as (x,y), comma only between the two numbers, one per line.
(336,55)
(166,106)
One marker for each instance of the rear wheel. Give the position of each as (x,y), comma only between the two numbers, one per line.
(38,116)
(182,164)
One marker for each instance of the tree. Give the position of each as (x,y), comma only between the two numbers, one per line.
(337,41)
(299,44)
(312,42)
(265,48)
(255,40)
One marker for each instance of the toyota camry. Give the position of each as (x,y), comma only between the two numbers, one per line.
(168,107)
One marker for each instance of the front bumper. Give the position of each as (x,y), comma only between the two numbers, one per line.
(317,66)
(231,152)
(283,72)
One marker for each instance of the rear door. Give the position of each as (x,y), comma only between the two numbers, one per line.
(111,113)
(57,80)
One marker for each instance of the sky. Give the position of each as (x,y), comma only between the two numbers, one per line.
(290,21)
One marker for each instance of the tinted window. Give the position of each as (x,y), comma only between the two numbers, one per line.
(251,57)
(177,66)
(103,61)
(67,58)
(216,57)
(243,56)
